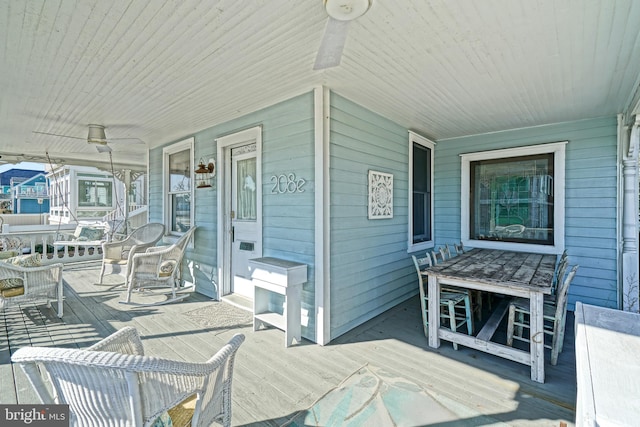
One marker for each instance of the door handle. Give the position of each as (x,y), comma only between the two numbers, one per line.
(233,234)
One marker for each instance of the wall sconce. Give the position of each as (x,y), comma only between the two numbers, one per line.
(205,173)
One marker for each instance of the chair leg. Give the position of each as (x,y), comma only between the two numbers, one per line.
(468,314)
(511,321)
(519,329)
(452,320)
(101,273)
(477,296)
(424,303)
(60,308)
(555,343)
(557,340)
(561,330)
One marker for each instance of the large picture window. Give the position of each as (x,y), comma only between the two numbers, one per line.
(420,193)
(514,197)
(178,171)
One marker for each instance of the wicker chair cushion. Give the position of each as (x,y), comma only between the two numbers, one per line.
(90,233)
(178,416)
(182,413)
(13,286)
(14,290)
(166,268)
(8,254)
(32,260)
(163,420)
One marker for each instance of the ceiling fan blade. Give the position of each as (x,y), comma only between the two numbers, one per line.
(330,52)
(103,148)
(127,140)
(55,134)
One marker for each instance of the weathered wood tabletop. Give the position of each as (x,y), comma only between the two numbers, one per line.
(521,274)
(522,270)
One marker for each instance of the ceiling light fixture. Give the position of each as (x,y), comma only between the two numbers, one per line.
(346,10)
(96,135)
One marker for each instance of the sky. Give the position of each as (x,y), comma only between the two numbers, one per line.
(22,165)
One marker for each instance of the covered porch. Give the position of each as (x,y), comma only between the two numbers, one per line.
(272,383)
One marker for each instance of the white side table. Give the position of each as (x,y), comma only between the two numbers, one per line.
(608,372)
(274,275)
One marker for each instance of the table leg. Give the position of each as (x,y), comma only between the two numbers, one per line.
(536,308)
(434,311)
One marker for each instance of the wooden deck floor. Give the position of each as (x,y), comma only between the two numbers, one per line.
(272,383)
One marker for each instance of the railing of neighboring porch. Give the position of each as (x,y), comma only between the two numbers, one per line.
(38,236)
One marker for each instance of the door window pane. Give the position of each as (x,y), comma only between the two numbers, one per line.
(246,190)
(512,199)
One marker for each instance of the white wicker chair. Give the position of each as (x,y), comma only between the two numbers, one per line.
(159,270)
(113,383)
(119,253)
(41,284)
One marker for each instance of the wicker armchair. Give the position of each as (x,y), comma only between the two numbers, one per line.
(35,284)
(159,269)
(113,383)
(119,253)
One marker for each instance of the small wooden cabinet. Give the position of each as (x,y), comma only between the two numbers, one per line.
(274,275)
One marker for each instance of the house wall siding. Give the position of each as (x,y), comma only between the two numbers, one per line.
(591,197)
(370,267)
(370,270)
(288,218)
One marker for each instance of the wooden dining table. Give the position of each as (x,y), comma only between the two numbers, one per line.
(510,273)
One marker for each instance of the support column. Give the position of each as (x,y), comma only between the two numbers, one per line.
(630,285)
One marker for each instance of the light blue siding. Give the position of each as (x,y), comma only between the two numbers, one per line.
(370,267)
(155,186)
(591,197)
(288,219)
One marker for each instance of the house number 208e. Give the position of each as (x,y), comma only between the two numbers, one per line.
(287,183)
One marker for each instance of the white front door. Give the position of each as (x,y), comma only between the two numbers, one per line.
(244,217)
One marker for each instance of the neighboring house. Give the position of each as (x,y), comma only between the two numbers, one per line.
(30,195)
(8,180)
(80,193)
(353,194)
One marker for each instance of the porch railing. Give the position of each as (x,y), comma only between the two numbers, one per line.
(40,238)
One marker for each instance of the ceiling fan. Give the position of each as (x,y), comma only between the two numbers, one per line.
(340,12)
(97,137)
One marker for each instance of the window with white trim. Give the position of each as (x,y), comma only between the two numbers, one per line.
(514,198)
(420,193)
(178,186)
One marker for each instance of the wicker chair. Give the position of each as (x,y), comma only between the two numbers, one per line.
(113,383)
(119,253)
(159,270)
(36,284)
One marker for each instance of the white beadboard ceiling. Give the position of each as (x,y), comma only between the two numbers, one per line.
(159,70)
